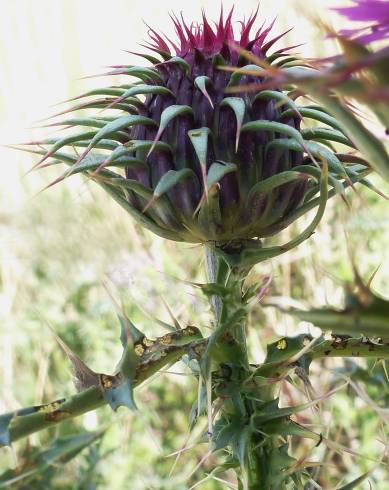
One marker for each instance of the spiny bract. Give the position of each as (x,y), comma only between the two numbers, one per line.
(205,157)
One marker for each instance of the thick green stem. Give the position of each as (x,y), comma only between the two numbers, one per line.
(46,416)
(230,348)
(350,347)
(21,423)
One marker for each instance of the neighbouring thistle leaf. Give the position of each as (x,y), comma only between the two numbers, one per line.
(364,313)
(38,462)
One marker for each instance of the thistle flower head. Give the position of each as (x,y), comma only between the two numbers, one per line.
(200,163)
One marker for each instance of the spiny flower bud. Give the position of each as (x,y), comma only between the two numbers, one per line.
(205,157)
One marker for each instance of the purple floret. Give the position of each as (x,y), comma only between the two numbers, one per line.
(375,12)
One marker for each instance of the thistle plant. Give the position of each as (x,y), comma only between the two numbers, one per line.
(195,156)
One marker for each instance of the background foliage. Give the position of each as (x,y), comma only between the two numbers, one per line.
(60,251)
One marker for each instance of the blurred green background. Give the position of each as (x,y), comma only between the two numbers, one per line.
(61,250)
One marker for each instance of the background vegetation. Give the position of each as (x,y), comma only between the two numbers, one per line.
(61,250)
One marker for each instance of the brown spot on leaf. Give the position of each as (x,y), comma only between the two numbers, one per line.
(107,381)
(50,407)
(148,342)
(166,339)
(282,344)
(139,349)
(57,416)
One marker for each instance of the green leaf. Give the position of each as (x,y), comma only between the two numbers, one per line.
(93,122)
(209,215)
(314,114)
(180,62)
(199,139)
(280,96)
(133,185)
(142,72)
(254,254)
(271,183)
(371,320)
(238,105)
(326,134)
(113,127)
(66,141)
(100,91)
(135,145)
(171,179)
(265,125)
(356,483)
(140,217)
(145,90)
(334,164)
(94,161)
(218,170)
(39,462)
(240,72)
(111,103)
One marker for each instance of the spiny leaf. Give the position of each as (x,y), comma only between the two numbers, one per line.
(99,91)
(171,179)
(368,144)
(141,72)
(317,150)
(177,60)
(245,70)
(143,90)
(316,115)
(275,181)
(265,125)
(168,114)
(96,162)
(218,170)
(326,134)
(135,145)
(199,139)
(253,255)
(133,185)
(201,83)
(59,452)
(148,57)
(315,172)
(356,483)
(281,97)
(238,105)
(66,141)
(139,216)
(113,127)
(84,377)
(93,122)
(129,106)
